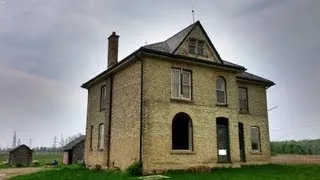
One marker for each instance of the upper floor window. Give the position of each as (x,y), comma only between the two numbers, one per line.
(180,84)
(196,46)
(101,137)
(221,90)
(243,99)
(255,139)
(102,97)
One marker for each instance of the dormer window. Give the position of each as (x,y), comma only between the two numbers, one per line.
(196,46)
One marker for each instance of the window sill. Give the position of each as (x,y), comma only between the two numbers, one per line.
(182,152)
(256,152)
(100,149)
(181,100)
(244,112)
(222,104)
(102,109)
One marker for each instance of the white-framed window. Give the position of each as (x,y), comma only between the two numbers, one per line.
(181,84)
(196,46)
(243,99)
(103,95)
(101,137)
(255,138)
(221,90)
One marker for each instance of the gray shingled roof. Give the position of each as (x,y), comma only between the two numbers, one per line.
(170,45)
(252,77)
(168,48)
(22,145)
(71,144)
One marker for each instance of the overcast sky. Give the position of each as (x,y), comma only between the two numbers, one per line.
(49,48)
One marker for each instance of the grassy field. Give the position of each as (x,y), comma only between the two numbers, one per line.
(266,172)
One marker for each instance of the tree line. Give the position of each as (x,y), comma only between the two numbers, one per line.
(310,147)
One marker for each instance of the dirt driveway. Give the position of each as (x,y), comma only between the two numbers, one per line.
(6,173)
(296,159)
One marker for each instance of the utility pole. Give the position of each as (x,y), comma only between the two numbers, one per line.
(14,141)
(19,142)
(30,142)
(61,141)
(55,142)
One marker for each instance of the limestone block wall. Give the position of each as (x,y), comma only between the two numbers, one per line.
(159,110)
(95,116)
(125,119)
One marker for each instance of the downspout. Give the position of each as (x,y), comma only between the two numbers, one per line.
(141,109)
(109,126)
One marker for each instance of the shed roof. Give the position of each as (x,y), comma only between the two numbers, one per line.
(21,146)
(71,144)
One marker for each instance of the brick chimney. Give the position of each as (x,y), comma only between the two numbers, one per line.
(113,49)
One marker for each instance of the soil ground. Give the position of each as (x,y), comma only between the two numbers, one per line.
(6,173)
(296,159)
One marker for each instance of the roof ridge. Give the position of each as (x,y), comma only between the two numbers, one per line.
(193,24)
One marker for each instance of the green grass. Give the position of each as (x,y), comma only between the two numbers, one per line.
(47,157)
(3,156)
(265,172)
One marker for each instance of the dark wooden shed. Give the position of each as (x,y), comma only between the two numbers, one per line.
(20,155)
(73,152)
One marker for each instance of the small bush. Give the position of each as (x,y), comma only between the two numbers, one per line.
(135,169)
(35,163)
(199,169)
(19,165)
(97,168)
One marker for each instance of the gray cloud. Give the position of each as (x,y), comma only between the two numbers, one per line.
(48,48)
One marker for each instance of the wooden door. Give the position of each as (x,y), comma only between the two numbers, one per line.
(223,140)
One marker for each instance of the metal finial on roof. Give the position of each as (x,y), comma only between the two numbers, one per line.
(193,15)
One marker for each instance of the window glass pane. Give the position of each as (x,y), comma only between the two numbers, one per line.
(220,84)
(175,83)
(243,102)
(192,42)
(175,90)
(200,47)
(186,91)
(101,136)
(255,138)
(192,49)
(221,97)
(192,46)
(186,78)
(175,76)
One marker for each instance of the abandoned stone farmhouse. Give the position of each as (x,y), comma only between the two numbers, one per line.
(176,104)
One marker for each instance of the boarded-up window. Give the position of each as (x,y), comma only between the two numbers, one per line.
(91,134)
(221,90)
(255,139)
(101,137)
(192,46)
(243,99)
(102,97)
(180,84)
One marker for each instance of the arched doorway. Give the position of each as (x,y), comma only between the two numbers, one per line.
(182,132)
